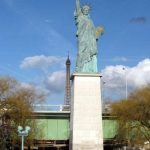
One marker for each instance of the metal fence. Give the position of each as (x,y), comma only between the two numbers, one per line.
(50,108)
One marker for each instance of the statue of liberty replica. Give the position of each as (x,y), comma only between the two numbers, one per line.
(86,114)
(87,36)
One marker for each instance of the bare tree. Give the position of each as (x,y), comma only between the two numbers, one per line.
(15,109)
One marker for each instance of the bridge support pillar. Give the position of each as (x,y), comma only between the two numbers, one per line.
(86,113)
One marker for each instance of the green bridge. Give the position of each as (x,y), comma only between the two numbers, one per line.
(55,131)
(55,125)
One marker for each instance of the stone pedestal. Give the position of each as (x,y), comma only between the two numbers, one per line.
(86,113)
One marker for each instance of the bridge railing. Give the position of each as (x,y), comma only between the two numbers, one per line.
(50,108)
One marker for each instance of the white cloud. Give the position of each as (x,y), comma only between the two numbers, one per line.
(42,62)
(37,88)
(115,78)
(26,85)
(55,82)
(139,75)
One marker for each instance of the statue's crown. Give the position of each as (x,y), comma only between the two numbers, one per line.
(86,6)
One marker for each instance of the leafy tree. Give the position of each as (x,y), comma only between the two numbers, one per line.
(134,116)
(16,108)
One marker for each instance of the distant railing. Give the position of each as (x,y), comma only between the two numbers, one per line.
(50,108)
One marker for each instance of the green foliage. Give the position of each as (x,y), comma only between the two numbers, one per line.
(134,116)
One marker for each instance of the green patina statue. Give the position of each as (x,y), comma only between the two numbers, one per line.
(87,35)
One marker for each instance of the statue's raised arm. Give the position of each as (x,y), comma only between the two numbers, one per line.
(78,7)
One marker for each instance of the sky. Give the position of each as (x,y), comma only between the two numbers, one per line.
(37,35)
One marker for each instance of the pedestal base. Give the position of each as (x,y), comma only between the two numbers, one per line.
(86,114)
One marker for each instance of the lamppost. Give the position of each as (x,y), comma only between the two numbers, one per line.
(126,82)
(23,132)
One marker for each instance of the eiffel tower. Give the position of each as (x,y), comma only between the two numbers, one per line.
(68,86)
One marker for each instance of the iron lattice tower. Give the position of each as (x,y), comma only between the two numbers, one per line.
(68,86)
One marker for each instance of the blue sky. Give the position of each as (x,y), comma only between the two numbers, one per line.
(36,35)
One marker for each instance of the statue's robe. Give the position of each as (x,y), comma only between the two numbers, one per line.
(87,46)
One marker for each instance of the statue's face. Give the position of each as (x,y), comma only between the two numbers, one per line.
(85,10)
